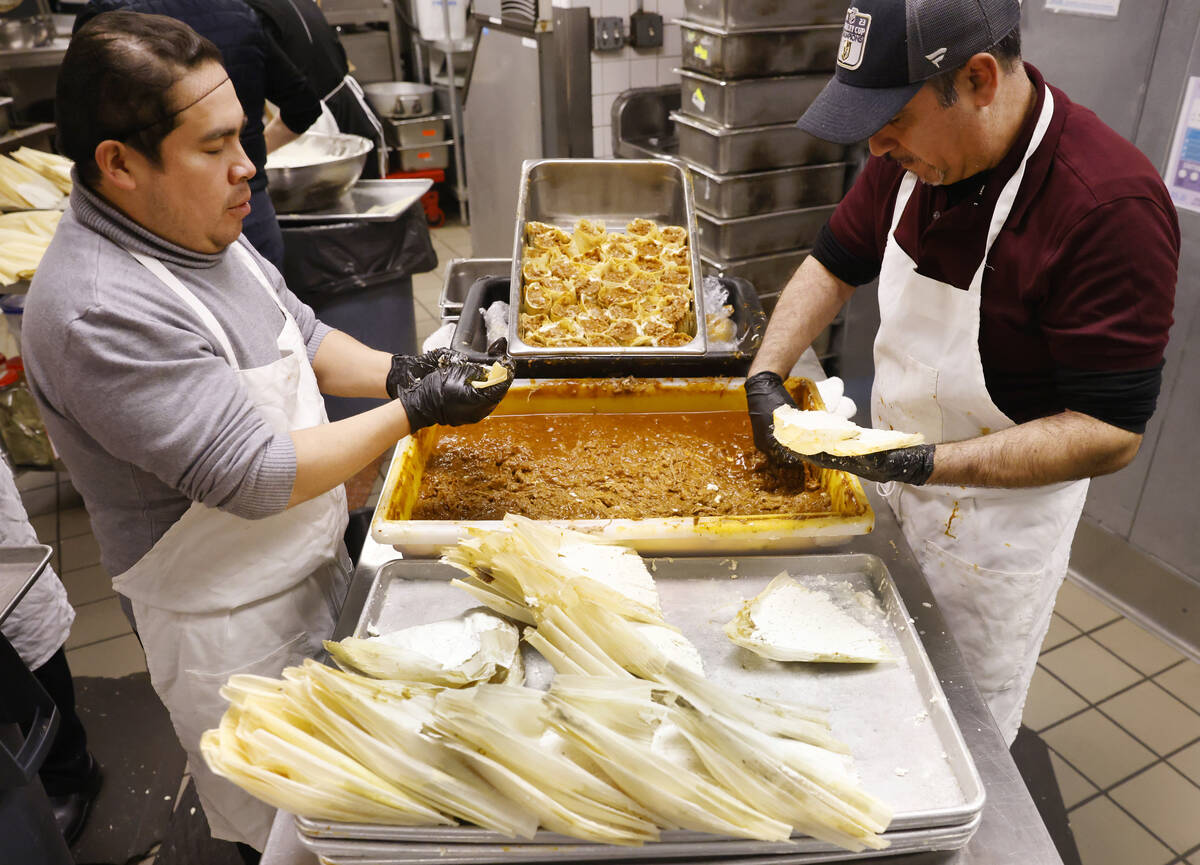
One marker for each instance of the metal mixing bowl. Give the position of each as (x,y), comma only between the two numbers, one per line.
(332,165)
(400,98)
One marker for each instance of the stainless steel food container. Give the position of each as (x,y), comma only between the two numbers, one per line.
(769,51)
(562,191)
(424,157)
(768,274)
(764,13)
(755,148)
(730,196)
(759,235)
(415,131)
(312,187)
(748,101)
(461,274)
(399,98)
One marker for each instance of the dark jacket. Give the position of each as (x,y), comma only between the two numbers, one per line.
(299,28)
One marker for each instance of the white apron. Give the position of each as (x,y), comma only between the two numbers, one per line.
(219,594)
(994,558)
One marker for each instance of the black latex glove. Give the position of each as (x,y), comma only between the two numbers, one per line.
(765,393)
(408,369)
(911,465)
(446,396)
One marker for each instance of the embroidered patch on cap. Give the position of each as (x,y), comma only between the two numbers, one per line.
(854,39)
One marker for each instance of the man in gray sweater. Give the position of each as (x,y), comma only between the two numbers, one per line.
(180,381)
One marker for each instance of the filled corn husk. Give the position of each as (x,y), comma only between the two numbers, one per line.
(630,738)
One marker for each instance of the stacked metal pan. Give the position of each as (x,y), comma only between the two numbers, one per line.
(763,188)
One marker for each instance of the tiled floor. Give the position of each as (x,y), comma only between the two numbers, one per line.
(1120,711)
(451,241)
(1119,708)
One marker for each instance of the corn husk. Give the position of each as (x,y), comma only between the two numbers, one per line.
(789,622)
(474,647)
(813,432)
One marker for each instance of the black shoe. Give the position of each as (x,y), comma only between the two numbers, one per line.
(71,810)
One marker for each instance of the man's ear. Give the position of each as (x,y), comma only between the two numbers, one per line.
(113,159)
(982,77)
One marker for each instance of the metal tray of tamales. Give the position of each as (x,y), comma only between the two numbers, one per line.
(847,512)
(561,192)
(906,747)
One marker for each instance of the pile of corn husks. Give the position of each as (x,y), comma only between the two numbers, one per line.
(630,738)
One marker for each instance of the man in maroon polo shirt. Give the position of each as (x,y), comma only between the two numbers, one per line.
(1026,257)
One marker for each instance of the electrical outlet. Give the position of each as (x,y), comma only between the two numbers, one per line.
(645,30)
(608,34)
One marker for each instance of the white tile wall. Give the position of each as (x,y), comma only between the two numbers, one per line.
(616,71)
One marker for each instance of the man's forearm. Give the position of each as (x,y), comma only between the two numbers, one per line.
(1063,447)
(346,367)
(278,134)
(808,304)
(329,454)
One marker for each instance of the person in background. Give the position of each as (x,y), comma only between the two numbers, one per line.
(1027,257)
(300,30)
(259,71)
(181,383)
(37,629)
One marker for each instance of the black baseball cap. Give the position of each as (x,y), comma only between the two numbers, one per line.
(890,48)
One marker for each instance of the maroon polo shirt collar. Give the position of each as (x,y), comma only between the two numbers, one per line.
(947,241)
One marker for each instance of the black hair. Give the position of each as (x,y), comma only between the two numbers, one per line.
(114,81)
(1007,51)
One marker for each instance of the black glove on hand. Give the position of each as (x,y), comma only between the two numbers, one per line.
(408,369)
(911,465)
(765,393)
(446,396)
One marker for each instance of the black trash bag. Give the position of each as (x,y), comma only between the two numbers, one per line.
(329,259)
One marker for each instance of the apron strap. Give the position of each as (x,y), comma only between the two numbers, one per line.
(172,282)
(1009,193)
(256,269)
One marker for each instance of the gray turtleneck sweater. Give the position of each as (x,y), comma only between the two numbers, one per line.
(136,393)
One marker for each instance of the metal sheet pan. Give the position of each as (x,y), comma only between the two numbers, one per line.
(802,851)
(759,235)
(562,191)
(894,717)
(756,52)
(758,192)
(355,206)
(748,101)
(850,513)
(754,148)
(764,13)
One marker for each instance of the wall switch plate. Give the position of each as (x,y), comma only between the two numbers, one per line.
(608,34)
(645,30)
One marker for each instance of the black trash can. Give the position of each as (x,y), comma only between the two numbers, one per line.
(357,277)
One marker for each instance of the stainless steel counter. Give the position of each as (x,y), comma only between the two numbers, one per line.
(1011,833)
